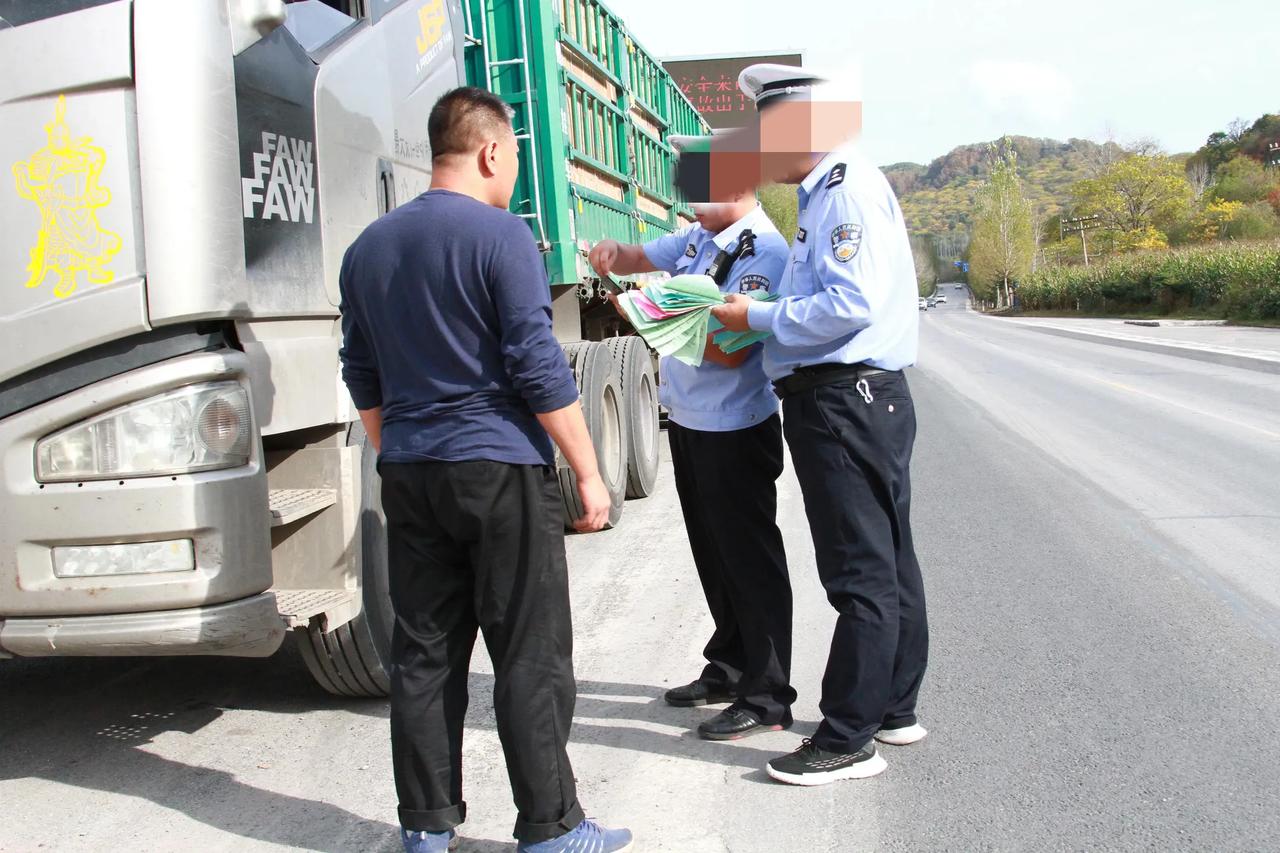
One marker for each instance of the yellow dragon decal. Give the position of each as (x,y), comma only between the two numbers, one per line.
(63,180)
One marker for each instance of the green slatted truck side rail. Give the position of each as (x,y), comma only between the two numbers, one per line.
(594,113)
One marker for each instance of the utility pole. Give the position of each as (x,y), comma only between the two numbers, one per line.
(1035,232)
(1079,225)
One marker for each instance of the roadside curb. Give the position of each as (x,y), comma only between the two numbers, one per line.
(1174,324)
(1245,359)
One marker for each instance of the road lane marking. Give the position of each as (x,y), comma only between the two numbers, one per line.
(1136,391)
(1121,386)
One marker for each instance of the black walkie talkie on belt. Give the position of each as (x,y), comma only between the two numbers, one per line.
(724,261)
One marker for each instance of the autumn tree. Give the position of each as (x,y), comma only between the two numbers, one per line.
(951,246)
(1256,142)
(1137,199)
(1245,180)
(1218,149)
(1002,245)
(924,255)
(1198,177)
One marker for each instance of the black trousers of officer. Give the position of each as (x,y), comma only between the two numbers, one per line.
(853,459)
(480,546)
(726,483)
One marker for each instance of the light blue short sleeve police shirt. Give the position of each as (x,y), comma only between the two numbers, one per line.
(711,397)
(849,291)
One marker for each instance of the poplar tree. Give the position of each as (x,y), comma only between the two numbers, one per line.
(1003,242)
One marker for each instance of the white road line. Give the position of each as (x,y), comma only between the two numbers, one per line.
(1136,391)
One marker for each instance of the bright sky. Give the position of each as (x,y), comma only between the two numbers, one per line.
(941,74)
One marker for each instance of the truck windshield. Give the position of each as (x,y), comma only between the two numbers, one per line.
(15,13)
(315,23)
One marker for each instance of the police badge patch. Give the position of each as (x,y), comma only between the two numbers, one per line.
(846,240)
(691,251)
(749,283)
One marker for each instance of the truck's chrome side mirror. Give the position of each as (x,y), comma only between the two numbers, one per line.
(252,20)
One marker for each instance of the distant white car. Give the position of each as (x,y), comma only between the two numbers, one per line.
(959,287)
(923,304)
(942,297)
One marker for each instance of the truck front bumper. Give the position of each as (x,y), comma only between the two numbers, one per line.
(223,514)
(250,627)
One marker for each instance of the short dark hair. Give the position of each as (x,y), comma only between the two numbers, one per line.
(464,118)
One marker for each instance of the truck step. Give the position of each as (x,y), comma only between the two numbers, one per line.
(289,505)
(298,606)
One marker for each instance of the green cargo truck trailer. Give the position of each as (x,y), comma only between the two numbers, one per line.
(183,471)
(594,113)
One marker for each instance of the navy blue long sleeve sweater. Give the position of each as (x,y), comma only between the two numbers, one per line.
(446,322)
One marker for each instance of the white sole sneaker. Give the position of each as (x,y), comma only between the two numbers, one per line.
(913,733)
(873,766)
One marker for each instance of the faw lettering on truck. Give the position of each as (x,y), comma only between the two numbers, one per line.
(282,185)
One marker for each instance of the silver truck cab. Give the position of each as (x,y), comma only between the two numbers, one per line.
(181,471)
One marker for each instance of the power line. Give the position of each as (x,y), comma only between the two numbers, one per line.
(1079,225)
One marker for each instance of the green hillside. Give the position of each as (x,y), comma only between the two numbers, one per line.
(938,199)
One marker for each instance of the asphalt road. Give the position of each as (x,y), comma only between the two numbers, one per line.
(1099,530)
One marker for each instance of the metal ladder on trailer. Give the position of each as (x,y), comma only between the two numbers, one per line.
(524,136)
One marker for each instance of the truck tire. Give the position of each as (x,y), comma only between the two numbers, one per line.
(602,406)
(355,659)
(640,397)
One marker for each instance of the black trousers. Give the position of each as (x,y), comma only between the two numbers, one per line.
(726,482)
(853,461)
(480,546)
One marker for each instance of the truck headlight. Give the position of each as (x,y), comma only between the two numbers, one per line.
(196,428)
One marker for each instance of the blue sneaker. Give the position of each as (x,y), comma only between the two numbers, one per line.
(586,837)
(428,842)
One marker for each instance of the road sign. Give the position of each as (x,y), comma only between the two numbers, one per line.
(711,84)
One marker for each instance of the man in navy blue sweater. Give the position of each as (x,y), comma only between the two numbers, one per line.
(449,357)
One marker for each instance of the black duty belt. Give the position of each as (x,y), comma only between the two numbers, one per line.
(814,375)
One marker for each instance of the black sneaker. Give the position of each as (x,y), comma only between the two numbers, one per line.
(813,765)
(734,723)
(699,692)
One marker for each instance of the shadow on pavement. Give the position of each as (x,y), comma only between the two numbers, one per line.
(87,723)
(611,703)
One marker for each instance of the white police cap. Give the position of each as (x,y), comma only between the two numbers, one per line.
(765,81)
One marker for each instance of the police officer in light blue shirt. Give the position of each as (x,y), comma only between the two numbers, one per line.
(726,450)
(843,329)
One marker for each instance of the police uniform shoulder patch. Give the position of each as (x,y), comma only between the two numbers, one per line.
(836,176)
(800,235)
(691,252)
(846,240)
(749,283)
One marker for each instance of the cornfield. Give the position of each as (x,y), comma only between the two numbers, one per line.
(1239,281)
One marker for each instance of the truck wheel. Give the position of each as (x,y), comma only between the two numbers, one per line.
(355,659)
(602,407)
(639,393)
